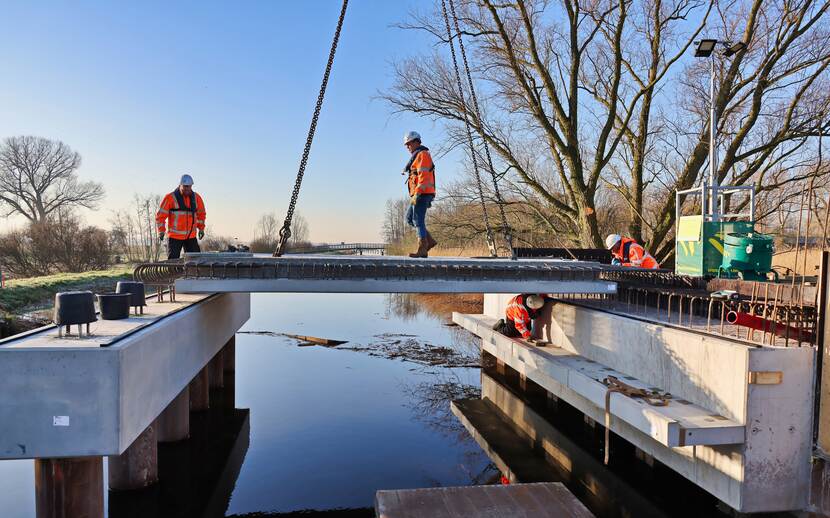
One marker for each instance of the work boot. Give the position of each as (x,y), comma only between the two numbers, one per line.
(422,249)
(430,242)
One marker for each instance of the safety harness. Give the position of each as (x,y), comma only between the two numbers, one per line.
(652,397)
(180,207)
(408,167)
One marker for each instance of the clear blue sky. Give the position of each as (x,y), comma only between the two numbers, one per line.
(223,90)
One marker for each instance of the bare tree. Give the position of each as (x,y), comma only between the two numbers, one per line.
(394,220)
(39,177)
(134,229)
(268,228)
(299,229)
(588,100)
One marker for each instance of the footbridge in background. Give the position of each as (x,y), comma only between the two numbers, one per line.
(342,248)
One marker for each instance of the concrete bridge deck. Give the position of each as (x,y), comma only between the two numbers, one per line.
(216,273)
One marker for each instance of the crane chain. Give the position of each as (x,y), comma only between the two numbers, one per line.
(508,235)
(491,241)
(285,231)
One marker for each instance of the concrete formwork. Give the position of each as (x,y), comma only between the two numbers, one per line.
(769,471)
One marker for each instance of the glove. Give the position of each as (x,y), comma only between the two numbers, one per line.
(413,199)
(201,234)
(616,262)
(161,236)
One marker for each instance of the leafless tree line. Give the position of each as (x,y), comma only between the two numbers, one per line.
(134,231)
(591,106)
(267,234)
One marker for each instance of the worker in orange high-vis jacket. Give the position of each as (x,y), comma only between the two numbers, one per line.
(182,217)
(627,252)
(420,183)
(519,315)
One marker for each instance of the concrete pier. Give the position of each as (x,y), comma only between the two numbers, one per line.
(229,355)
(200,391)
(137,467)
(216,368)
(174,422)
(117,392)
(69,487)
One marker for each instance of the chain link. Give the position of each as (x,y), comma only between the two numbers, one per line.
(508,235)
(285,231)
(491,241)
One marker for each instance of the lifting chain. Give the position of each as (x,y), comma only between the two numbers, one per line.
(491,242)
(508,235)
(285,232)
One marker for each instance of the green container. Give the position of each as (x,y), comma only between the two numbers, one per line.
(747,255)
(700,244)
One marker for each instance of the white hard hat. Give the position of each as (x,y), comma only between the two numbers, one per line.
(612,240)
(535,301)
(186,180)
(410,136)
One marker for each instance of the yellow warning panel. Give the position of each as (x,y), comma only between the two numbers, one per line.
(689,228)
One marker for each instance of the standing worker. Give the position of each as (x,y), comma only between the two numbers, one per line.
(421,185)
(182,212)
(520,312)
(628,252)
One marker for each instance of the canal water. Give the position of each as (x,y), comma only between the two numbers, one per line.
(324,428)
(313,431)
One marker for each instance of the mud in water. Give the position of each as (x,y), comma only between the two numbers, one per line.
(409,348)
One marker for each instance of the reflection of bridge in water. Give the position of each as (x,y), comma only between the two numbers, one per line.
(532,437)
(342,248)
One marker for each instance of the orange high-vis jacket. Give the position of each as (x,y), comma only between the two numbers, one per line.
(633,254)
(421,173)
(518,313)
(178,214)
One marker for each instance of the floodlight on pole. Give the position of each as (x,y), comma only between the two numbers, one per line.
(705,48)
(734,49)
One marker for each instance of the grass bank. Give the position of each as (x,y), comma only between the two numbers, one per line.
(22,295)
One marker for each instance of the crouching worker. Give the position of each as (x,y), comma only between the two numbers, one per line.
(627,252)
(521,310)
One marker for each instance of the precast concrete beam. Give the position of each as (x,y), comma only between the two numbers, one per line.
(137,467)
(174,422)
(231,285)
(69,487)
(343,274)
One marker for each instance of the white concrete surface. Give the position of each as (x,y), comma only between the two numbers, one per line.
(71,398)
(770,471)
(672,425)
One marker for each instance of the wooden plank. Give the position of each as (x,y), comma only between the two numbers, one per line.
(680,423)
(537,500)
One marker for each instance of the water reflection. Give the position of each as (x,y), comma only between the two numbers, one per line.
(196,476)
(533,438)
(330,426)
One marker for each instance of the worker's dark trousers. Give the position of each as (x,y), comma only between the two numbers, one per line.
(507,328)
(174,247)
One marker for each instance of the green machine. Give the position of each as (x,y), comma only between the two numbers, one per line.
(710,244)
